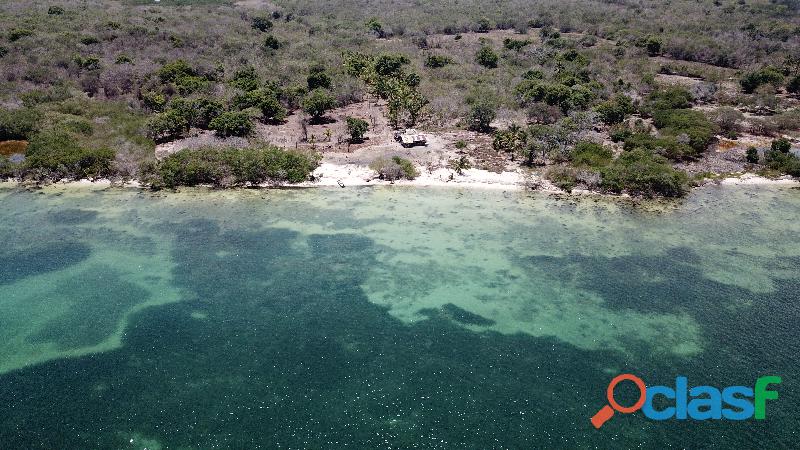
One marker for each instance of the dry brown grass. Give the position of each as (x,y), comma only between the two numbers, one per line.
(8,148)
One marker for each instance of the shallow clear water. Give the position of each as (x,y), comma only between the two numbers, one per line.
(387,317)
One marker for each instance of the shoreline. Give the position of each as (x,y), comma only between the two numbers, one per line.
(329,175)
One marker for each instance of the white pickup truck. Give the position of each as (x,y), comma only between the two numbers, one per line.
(410,137)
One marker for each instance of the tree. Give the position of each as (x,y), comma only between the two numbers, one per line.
(272,43)
(512,141)
(376,27)
(766,75)
(794,85)
(389,65)
(653,45)
(167,126)
(57,155)
(171,72)
(272,110)
(752,155)
(246,79)
(459,165)
(261,23)
(481,115)
(639,172)
(357,128)
(781,145)
(317,78)
(232,124)
(437,61)
(515,44)
(19,124)
(487,57)
(317,103)
(615,111)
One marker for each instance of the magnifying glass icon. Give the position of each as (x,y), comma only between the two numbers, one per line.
(607,411)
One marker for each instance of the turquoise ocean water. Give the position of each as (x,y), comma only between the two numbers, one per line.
(388,317)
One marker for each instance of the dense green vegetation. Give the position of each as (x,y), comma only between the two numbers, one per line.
(56,155)
(779,158)
(225,167)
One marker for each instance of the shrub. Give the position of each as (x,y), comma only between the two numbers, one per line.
(272,43)
(409,171)
(752,155)
(395,168)
(3,51)
(793,87)
(437,61)
(673,97)
(261,23)
(780,158)
(484,26)
(250,99)
(563,177)
(55,10)
(640,172)
(190,84)
(317,103)
(231,167)
(619,133)
(460,164)
(487,57)
(78,126)
(615,111)
(246,79)
(389,65)
(89,63)
(482,112)
(232,124)
(374,26)
(56,155)
(123,59)
(89,40)
(516,44)
(198,112)
(591,154)
(687,126)
(511,141)
(728,120)
(19,124)
(173,71)
(357,128)
(767,75)
(19,33)
(154,101)
(652,44)
(317,78)
(553,94)
(781,145)
(272,110)
(666,146)
(167,126)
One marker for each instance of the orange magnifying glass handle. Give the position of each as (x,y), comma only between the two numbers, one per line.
(602,416)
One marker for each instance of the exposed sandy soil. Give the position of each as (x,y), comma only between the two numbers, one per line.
(256,4)
(678,80)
